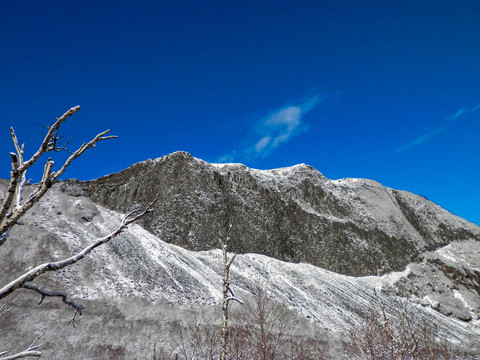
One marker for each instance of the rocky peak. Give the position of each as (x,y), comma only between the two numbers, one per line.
(351,226)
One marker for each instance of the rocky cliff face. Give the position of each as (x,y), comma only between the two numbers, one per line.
(350,226)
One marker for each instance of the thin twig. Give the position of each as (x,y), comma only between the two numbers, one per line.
(72,320)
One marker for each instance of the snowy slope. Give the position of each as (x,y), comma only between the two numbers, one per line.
(139,270)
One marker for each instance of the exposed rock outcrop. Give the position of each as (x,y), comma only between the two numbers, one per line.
(350,226)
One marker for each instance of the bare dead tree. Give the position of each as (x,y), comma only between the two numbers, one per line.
(396,334)
(14,207)
(228,294)
(265,329)
(197,340)
(269,323)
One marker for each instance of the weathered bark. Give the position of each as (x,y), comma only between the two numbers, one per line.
(228,294)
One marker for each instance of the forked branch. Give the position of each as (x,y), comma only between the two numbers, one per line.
(31,351)
(12,208)
(45,293)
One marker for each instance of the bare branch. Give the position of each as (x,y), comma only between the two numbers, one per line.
(46,293)
(19,192)
(18,149)
(13,217)
(31,351)
(80,151)
(64,146)
(48,179)
(13,208)
(26,353)
(9,196)
(231,261)
(47,139)
(18,197)
(3,312)
(17,178)
(72,320)
(232,298)
(57,265)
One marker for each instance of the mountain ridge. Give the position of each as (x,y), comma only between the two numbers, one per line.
(294,214)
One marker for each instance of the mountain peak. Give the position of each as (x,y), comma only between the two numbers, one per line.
(350,226)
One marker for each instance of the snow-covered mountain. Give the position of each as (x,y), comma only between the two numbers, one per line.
(302,236)
(350,226)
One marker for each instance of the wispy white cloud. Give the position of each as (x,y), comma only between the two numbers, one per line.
(262,144)
(280,126)
(274,129)
(463,111)
(421,139)
(426,137)
(226,158)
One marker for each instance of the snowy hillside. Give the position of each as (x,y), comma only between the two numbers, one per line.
(136,285)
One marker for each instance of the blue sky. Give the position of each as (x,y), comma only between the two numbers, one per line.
(386,90)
